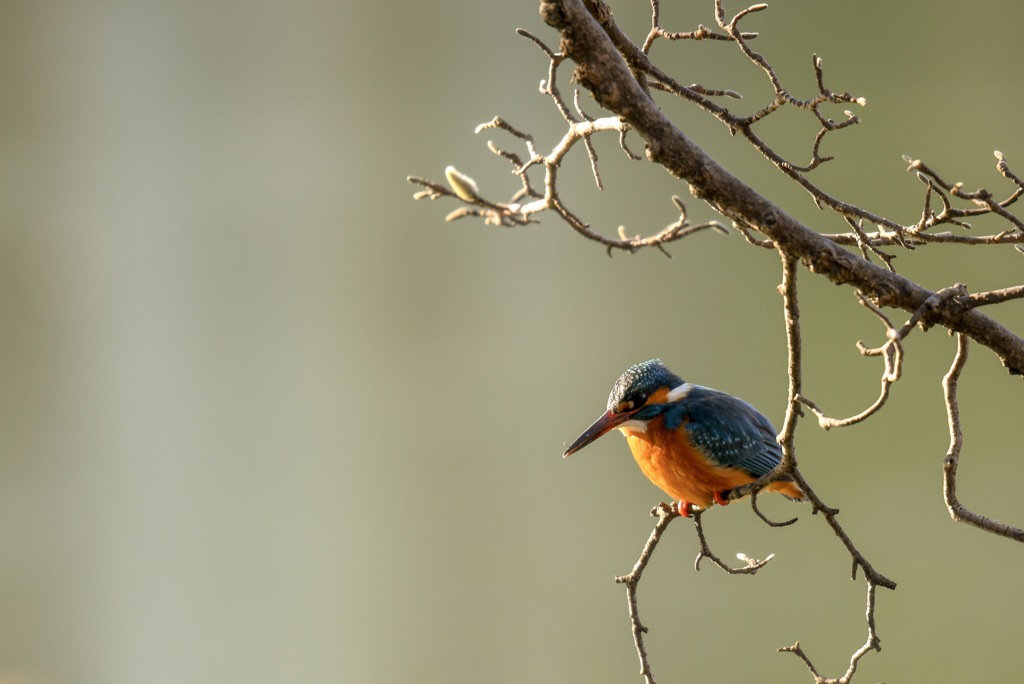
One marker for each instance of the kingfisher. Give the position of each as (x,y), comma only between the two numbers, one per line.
(693,442)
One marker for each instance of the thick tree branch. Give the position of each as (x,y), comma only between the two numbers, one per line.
(602,70)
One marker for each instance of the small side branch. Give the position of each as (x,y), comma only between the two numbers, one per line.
(957,510)
(752,564)
(764,518)
(665,515)
(528,201)
(873,643)
(982,199)
(892,355)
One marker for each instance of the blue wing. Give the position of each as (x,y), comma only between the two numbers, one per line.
(729,431)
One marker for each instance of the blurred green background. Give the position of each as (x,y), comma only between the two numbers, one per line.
(265,418)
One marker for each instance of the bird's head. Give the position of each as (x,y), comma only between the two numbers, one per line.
(636,398)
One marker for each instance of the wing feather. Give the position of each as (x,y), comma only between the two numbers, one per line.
(731,432)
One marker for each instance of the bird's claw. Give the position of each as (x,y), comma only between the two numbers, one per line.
(721,498)
(685,508)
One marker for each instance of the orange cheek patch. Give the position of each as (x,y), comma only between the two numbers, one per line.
(659,397)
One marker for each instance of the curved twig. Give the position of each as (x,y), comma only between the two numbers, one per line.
(951,462)
(752,564)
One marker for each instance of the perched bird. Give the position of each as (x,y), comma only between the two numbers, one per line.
(693,442)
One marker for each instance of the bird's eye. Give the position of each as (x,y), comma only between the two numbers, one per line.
(634,403)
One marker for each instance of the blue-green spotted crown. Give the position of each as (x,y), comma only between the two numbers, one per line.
(645,378)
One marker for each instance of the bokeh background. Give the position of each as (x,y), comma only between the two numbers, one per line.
(265,418)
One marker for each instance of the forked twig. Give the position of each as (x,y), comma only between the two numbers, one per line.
(665,514)
(527,202)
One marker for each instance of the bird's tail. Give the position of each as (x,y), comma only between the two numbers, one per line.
(789,489)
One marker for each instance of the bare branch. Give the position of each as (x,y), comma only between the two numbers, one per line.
(788,466)
(517,212)
(665,515)
(621,76)
(892,355)
(602,70)
(752,564)
(981,198)
(873,643)
(994,296)
(957,510)
(701,33)
(913,239)
(764,518)
(791,309)
(786,441)
(493,213)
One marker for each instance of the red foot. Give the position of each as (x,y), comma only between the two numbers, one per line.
(720,498)
(685,508)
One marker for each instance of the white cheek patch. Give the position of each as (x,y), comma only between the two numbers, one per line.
(633,426)
(678,393)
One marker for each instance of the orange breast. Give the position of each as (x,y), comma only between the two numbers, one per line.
(670,462)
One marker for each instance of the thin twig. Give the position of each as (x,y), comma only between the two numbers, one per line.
(892,356)
(752,564)
(957,510)
(665,515)
(767,521)
(873,643)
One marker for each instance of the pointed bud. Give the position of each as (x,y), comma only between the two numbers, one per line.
(463,185)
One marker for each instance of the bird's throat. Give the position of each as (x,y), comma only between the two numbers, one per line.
(633,427)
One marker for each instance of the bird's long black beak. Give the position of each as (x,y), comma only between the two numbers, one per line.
(607,422)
